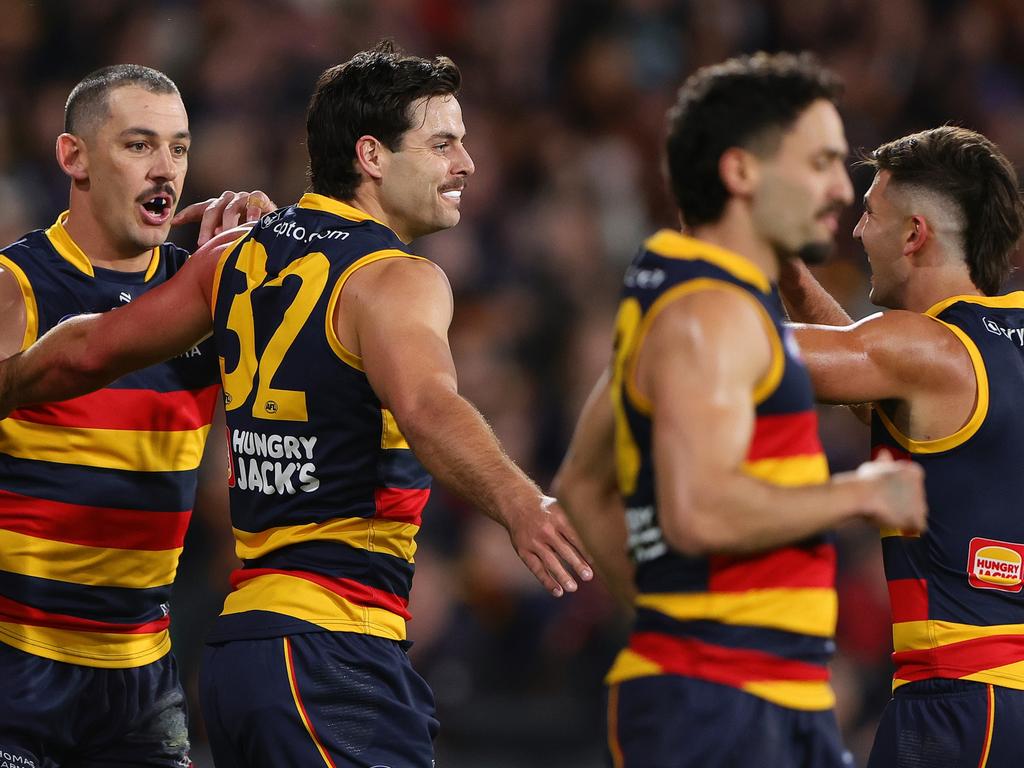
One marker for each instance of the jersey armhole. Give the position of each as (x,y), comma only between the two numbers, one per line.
(768,383)
(346,355)
(31,308)
(974,422)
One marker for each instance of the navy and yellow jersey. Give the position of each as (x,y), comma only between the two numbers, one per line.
(957,605)
(762,623)
(326,496)
(96,492)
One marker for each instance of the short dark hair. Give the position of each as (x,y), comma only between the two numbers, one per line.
(87,103)
(370,95)
(748,102)
(965,167)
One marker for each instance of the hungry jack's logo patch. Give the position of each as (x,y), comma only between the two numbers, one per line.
(995,565)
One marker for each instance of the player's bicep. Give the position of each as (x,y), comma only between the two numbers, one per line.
(401,310)
(701,362)
(591,454)
(13,312)
(882,357)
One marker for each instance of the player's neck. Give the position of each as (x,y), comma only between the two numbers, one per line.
(367,202)
(739,237)
(928,286)
(99,247)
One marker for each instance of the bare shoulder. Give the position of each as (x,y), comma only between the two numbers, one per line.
(401,279)
(917,346)
(12,309)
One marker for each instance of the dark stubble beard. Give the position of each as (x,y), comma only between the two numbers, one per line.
(816,253)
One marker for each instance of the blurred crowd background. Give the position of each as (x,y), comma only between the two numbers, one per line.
(564,104)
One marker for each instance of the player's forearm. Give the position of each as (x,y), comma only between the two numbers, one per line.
(806,299)
(456,445)
(59,366)
(737,514)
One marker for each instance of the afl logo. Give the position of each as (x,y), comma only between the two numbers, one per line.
(996,565)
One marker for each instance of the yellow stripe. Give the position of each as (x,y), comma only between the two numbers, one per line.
(125,449)
(1013,300)
(762,390)
(807,611)
(1008,676)
(811,469)
(919,635)
(218,272)
(91,566)
(630,665)
(350,358)
(304,600)
(676,245)
(31,309)
(989,727)
(810,695)
(293,684)
(89,649)
(314,202)
(614,748)
(391,436)
(388,536)
(70,252)
(968,430)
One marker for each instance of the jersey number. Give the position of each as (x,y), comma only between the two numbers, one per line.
(270,403)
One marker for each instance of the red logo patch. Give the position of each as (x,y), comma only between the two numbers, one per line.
(995,565)
(231,460)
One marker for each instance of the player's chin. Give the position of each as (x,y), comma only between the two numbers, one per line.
(816,251)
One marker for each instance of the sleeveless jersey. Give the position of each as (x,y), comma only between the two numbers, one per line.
(955,591)
(762,623)
(326,496)
(96,492)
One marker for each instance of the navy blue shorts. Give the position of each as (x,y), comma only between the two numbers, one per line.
(54,714)
(336,699)
(679,722)
(951,724)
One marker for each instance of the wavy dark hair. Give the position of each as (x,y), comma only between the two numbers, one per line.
(748,102)
(967,168)
(369,95)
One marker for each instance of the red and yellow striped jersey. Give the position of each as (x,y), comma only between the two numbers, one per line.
(762,623)
(96,492)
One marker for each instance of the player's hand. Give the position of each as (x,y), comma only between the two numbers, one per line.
(216,245)
(548,545)
(225,212)
(896,493)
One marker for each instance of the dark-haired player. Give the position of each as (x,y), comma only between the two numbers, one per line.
(709,414)
(945,370)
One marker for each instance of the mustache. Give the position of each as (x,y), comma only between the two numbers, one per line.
(160,189)
(837,208)
(452,186)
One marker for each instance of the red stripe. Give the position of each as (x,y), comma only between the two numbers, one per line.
(792,567)
(729,666)
(92,526)
(351,590)
(306,721)
(785,434)
(894,450)
(404,505)
(959,659)
(140,410)
(19,613)
(908,599)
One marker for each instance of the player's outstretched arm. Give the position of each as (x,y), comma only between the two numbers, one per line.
(87,352)
(895,355)
(219,214)
(587,488)
(12,310)
(806,299)
(395,314)
(699,364)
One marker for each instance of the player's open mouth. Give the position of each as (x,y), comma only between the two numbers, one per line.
(156,210)
(454,194)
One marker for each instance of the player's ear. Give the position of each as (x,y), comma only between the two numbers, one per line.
(740,171)
(917,233)
(370,156)
(72,156)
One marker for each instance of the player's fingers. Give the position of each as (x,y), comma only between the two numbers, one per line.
(541,574)
(570,553)
(556,568)
(213,215)
(192,212)
(258,204)
(234,210)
